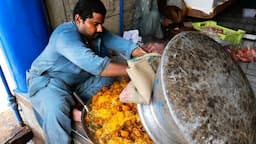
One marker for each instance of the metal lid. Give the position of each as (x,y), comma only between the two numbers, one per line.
(200,95)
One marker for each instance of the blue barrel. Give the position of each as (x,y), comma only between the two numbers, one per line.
(23,35)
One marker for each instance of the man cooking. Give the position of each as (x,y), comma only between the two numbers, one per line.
(76,60)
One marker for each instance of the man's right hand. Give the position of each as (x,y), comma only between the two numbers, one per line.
(114,69)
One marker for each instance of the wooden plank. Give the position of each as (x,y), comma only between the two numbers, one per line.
(21,135)
(29,118)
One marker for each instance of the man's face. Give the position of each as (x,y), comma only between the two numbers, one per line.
(91,27)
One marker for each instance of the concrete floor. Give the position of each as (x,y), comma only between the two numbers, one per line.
(8,125)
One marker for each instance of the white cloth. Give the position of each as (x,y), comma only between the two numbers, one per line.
(132,35)
(142,74)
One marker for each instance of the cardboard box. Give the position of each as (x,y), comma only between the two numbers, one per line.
(206,8)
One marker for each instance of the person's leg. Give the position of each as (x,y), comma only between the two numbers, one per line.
(53,104)
(91,86)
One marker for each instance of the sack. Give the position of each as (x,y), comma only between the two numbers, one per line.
(142,74)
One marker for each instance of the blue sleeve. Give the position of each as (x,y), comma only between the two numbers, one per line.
(70,45)
(118,44)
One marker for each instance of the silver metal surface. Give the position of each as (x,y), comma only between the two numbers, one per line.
(81,102)
(200,96)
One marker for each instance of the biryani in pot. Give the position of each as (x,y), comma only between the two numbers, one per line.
(110,121)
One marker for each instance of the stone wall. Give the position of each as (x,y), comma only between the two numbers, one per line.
(59,11)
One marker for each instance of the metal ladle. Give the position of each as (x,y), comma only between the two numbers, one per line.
(84,112)
(81,102)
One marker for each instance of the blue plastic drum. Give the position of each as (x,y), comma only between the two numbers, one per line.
(23,35)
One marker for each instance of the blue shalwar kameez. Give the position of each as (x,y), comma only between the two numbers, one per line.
(68,65)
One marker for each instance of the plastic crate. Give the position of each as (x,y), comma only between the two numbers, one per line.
(225,34)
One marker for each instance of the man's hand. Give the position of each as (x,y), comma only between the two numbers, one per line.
(114,69)
(154,47)
(138,52)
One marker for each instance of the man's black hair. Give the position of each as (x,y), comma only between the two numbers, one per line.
(85,8)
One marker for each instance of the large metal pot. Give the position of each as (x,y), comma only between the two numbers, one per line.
(200,96)
(89,139)
(89,135)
